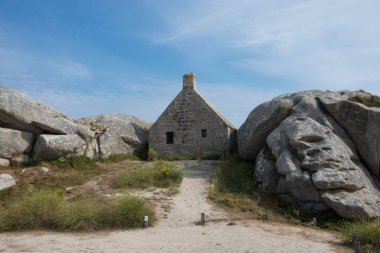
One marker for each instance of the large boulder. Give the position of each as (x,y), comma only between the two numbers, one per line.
(62,125)
(123,134)
(21,112)
(314,148)
(49,147)
(17,111)
(260,123)
(14,143)
(6,181)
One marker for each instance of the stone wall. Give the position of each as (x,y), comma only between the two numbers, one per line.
(186,117)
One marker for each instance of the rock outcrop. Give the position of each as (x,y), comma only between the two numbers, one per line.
(50,147)
(14,143)
(123,134)
(18,111)
(319,149)
(32,131)
(6,181)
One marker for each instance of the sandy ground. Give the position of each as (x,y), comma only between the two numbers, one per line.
(178,232)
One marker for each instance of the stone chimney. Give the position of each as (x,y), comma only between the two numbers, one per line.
(189,81)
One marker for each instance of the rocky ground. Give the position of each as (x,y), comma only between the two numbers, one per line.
(177,231)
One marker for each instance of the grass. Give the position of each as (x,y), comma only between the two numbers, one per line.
(161,174)
(79,215)
(234,176)
(46,209)
(129,212)
(68,171)
(235,188)
(367,232)
(119,157)
(232,186)
(37,201)
(38,209)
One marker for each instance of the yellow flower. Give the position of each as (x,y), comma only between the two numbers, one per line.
(165,170)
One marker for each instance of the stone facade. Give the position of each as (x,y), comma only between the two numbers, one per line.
(191,127)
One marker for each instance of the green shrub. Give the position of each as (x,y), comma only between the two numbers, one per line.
(129,212)
(79,215)
(367,231)
(234,175)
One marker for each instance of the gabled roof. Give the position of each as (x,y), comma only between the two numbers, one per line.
(207,102)
(212,106)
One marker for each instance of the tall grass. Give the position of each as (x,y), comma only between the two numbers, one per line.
(234,175)
(129,211)
(45,209)
(79,215)
(367,231)
(161,174)
(38,209)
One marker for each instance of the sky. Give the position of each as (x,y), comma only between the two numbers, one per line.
(92,57)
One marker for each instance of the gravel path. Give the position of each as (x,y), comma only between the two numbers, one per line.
(178,232)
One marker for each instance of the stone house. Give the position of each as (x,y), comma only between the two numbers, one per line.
(191,127)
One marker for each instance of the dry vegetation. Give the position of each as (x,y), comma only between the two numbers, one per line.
(78,193)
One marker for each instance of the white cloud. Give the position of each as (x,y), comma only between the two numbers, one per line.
(316,44)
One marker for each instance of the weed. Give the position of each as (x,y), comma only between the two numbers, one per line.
(152,154)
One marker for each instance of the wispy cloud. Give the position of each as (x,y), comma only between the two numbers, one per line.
(19,68)
(319,44)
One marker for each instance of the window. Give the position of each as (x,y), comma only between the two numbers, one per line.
(204,133)
(169,138)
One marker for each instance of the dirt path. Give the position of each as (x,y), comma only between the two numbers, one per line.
(178,232)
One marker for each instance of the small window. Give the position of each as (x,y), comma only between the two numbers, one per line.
(204,133)
(169,138)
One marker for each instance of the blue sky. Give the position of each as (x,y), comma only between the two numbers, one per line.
(92,57)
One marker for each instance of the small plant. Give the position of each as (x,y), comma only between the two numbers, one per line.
(152,154)
(60,192)
(169,174)
(165,171)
